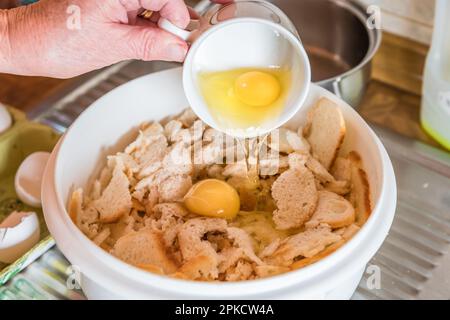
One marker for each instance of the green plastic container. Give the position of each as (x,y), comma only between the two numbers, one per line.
(19,141)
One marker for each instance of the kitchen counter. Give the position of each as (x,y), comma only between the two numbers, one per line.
(395,109)
(25,92)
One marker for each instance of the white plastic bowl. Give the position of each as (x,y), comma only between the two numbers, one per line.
(111,122)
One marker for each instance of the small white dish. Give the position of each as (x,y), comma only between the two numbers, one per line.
(29,178)
(244,43)
(5,119)
(19,232)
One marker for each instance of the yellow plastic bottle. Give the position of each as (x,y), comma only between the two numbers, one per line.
(435,111)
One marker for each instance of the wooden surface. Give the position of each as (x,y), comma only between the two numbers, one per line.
(400,63)
(412,19)
(395,109)
(25,92)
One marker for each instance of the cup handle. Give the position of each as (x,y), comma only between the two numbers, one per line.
(170,27)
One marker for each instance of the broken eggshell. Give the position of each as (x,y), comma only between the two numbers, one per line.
(29,178)
(19,232)
(5,119)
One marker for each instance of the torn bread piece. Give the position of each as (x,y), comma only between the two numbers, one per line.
(172,128)
(297,160)
(200,251)
(360,191)
(209,154)
(247,189)
(95,190)
(340,187)
(178,159)
(342,169)
(229,256)
(333,210)
(210,134)
(151,268)
(167,219)
(153,151)
(341,172)
(269,271)
(295,195)
(243,241)
(200,267)
(76,206)
(303,245)
(236,169)
(84,216)
(102,236)
(187,117)
(174,188)
(326,132)
(243,270)
(152,129)
(322,254)
(170,210)
(121,228)
(215,171)
(346,233)
(130,164)
(115,199)
(191,236)
(190,135)
(287,141)
(270,248)
(237,261)
(318,170)
(143,248)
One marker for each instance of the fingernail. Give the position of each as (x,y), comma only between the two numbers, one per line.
(176,52)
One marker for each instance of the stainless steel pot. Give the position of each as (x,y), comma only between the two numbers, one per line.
(338,41)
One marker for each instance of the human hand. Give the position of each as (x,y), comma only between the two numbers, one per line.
(65,38)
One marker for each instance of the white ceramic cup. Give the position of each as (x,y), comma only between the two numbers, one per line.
(240,43)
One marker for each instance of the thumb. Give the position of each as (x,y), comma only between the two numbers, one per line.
(151,43)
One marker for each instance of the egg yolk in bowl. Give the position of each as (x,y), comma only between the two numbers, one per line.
(213,198)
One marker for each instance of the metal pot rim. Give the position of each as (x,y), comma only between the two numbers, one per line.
(374,35)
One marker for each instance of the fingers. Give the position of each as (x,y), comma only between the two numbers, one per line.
(132,16)
(145,23)
(148,43)
(173,10)
(193,14)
